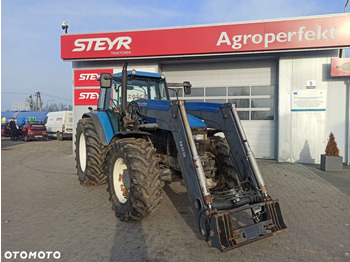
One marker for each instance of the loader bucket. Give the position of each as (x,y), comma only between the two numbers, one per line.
(243,225)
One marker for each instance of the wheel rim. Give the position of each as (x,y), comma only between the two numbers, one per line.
(82,152)
(120,179)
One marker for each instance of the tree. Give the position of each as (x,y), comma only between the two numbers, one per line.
(57,107)
(332,148)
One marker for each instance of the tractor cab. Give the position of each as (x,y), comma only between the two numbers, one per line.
(139,85)
(120,89)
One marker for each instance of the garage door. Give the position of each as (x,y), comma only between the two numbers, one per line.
(251,85)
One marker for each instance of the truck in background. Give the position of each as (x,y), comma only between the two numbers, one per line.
(59,124)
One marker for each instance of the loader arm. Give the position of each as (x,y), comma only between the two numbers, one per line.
(170,118)
(224,118)
(219,227)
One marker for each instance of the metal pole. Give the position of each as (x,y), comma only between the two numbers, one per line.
(196,159)
(124,88)
(250,153)
(346,4)
(347,122)
(36,102)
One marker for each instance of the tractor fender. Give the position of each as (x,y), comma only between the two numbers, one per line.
(136,134)
(98,126)
(105,132)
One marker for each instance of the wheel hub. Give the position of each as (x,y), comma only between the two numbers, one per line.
(121,180)
(82,152)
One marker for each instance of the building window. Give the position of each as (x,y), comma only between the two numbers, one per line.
(196,91)
(252,102)
(215,91)
(240,103)
(239,91)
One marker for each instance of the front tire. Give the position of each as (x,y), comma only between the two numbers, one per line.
(226,176)
(89,154)
(133,173)
(59,136)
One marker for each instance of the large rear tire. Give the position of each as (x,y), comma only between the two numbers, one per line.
(133,177)
(89,154)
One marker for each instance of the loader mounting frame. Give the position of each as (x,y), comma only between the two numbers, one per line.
(217,226)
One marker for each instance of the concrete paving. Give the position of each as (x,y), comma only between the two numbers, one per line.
(45,209)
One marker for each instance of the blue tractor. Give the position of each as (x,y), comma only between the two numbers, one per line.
(138,138)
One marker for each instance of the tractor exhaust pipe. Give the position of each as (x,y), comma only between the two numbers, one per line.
(124,88)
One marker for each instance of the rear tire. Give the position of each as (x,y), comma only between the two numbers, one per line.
(89,154)
(133,177)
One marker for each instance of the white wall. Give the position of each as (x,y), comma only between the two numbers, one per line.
(303,135)
(337,118)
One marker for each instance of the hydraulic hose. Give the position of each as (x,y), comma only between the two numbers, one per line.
(229,204)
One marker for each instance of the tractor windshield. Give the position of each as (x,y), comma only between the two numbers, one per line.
(138,88)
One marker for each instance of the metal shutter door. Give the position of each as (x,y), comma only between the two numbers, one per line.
(250,84)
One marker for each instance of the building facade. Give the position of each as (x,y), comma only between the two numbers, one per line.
(287,77)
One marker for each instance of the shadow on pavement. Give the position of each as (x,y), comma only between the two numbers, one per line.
(6,143)
(129,242)
(339,179)
(177,194)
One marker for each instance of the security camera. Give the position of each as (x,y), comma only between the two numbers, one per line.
(65,26)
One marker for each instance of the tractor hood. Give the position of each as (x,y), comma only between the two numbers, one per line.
(164,105)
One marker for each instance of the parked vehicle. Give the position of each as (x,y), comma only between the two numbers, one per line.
(5,130)
(59,124)
(33,131)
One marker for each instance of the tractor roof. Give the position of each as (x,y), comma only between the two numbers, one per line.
(140,73)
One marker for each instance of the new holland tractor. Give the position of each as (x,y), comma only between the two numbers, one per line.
(138,138)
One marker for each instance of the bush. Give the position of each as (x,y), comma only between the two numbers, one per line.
(332,148)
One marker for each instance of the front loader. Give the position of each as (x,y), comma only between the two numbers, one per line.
(138,138)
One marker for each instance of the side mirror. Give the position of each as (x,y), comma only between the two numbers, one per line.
(105,80)
(187,87)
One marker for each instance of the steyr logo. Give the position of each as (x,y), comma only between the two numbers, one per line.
(92,76)
(89,77)
(88,95)
(102,43)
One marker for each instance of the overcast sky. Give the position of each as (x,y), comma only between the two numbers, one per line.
(31,29)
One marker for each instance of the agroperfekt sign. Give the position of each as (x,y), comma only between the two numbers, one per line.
(330,31)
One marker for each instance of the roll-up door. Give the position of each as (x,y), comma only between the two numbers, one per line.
(251,85)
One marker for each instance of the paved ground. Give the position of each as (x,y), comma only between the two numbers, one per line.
(45,209)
